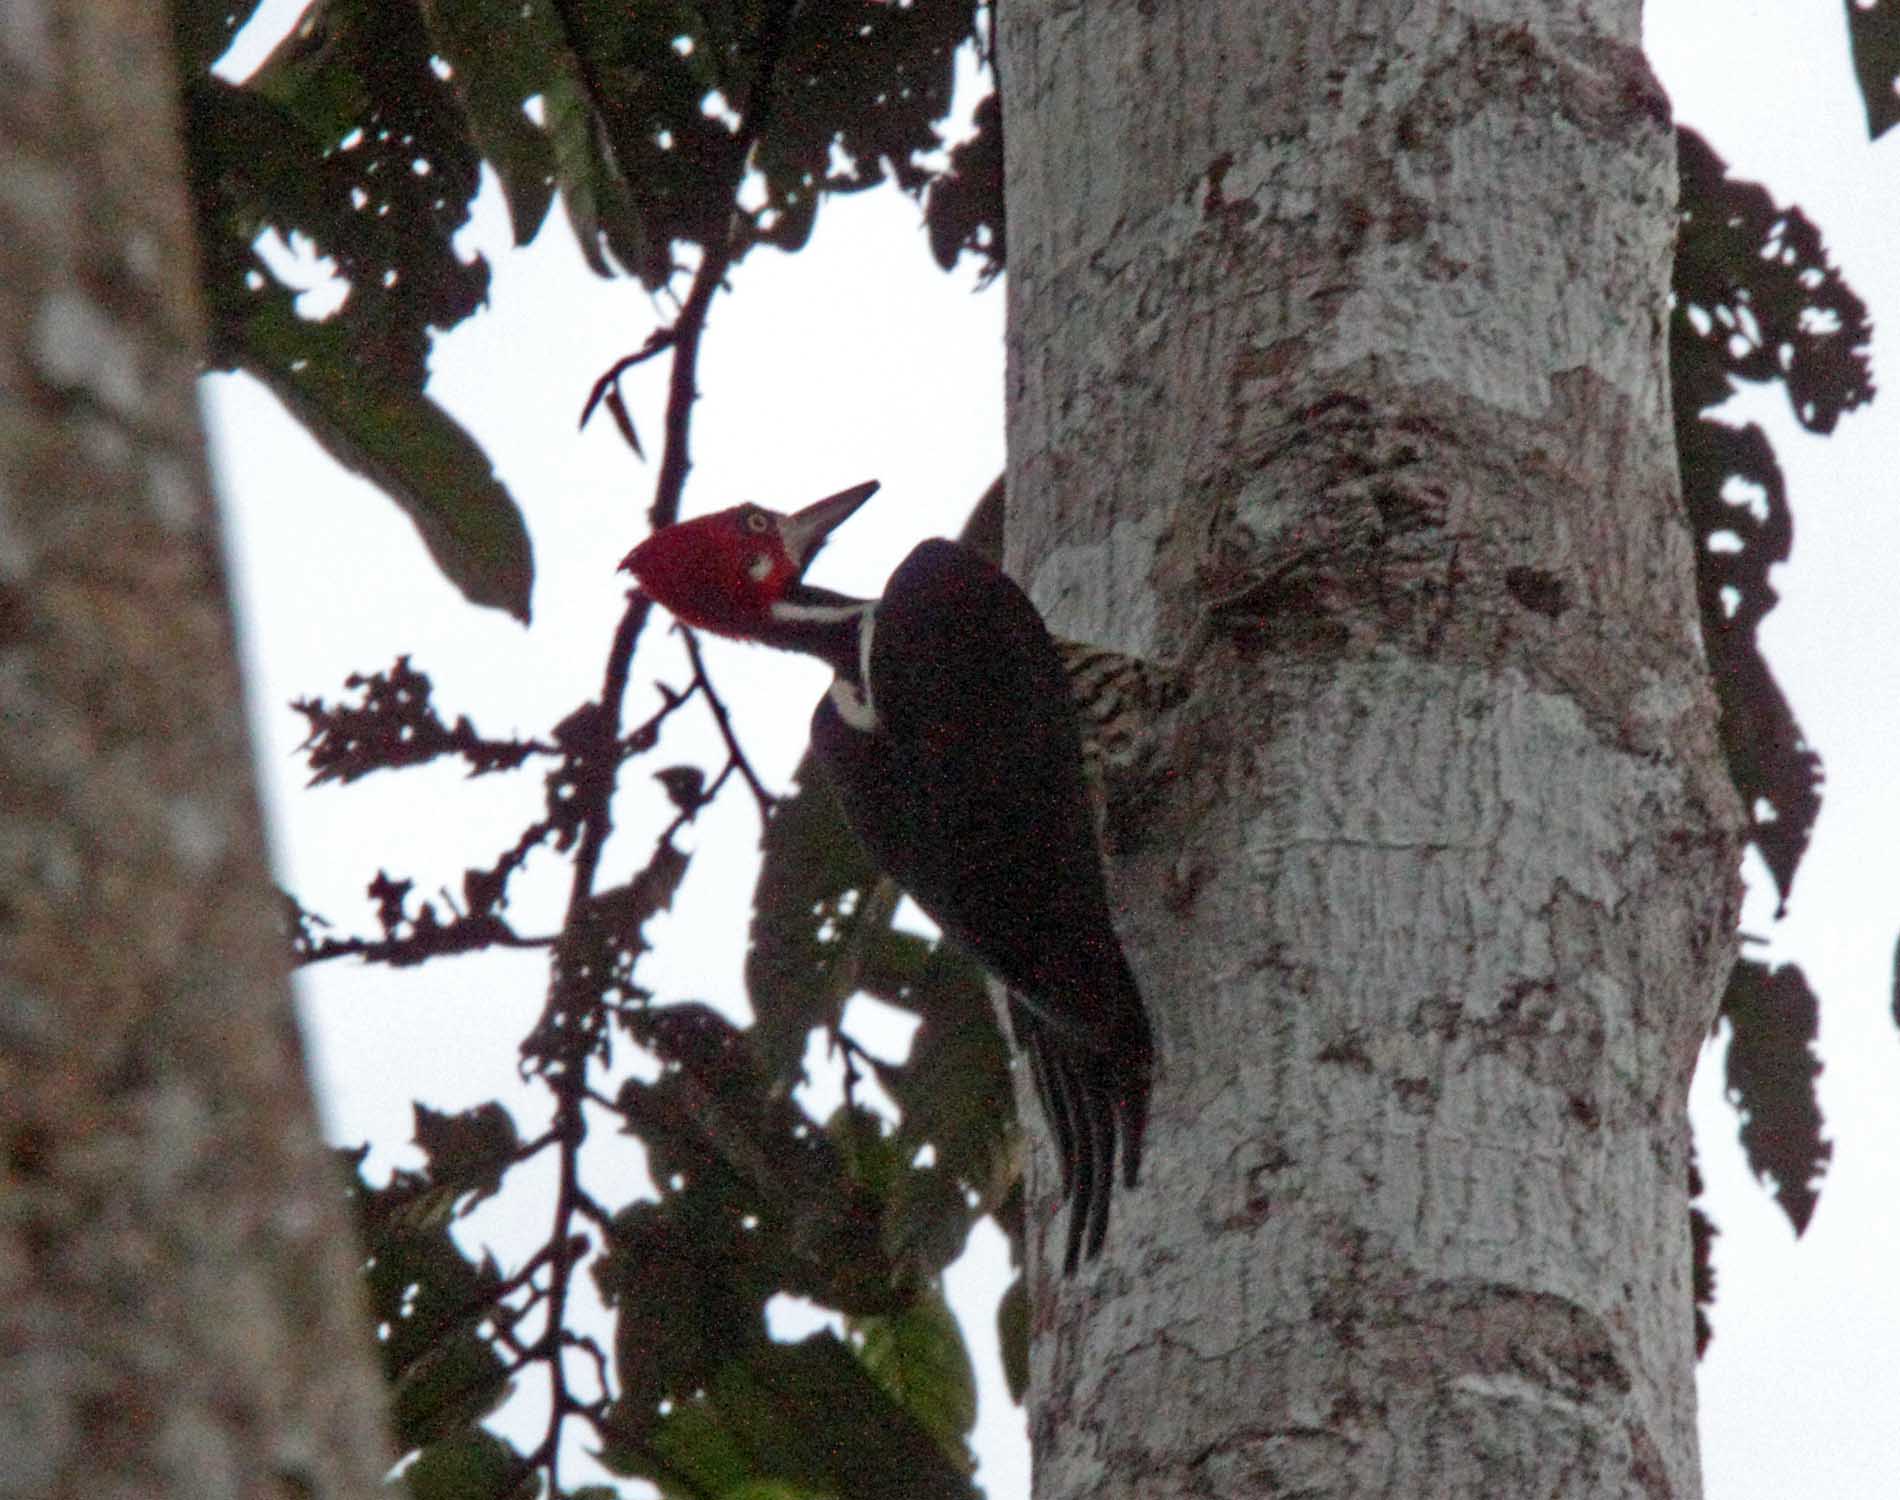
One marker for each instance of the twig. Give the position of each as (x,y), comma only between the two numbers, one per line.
(588,1347)
(595,750)
(657,342)
(701,681)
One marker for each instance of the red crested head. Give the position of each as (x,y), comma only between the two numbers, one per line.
(724,572)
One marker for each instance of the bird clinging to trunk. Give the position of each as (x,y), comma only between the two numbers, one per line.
(950,734)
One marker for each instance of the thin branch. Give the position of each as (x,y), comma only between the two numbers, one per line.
(647,735)
(572,1025)
(760,795)
(427,941)
(682,389)
(657,342)
(588,1207)
(572,1130)
(588,1347)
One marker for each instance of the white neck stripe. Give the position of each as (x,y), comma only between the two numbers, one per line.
(817,614)
(866,626)
(853,699)
(854,707)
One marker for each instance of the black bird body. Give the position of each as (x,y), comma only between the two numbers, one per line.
(968,791)
(969,794)
(952,739)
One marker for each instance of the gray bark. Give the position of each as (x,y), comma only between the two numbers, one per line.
(1341,328)
(179,1312)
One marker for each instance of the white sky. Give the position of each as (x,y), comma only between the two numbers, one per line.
(858,358)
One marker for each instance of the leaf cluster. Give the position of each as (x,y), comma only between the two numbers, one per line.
(751,1198)
(755,1201)
(1757,300)
(362,137)
(665,130)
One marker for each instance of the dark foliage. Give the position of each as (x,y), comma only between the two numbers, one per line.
(1757,300)
(361,138)
(1873,30)
(649,122)
(817,897)
(395,725)
(1702,1233)
(754,1201)
(442,1315)
(822,931)
(753,1198)
(1772,1068)
(348,141)
(963,207)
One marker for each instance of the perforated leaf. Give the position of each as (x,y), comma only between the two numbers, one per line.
(1772,1070)
(1756,300)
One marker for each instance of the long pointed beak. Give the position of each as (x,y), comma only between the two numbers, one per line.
(805,531)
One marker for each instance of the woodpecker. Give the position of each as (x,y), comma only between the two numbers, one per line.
(950,734)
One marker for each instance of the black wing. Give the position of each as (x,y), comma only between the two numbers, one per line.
(969,794)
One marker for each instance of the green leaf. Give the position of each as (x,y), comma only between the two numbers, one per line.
(926,1218)
(695,1455)
(380,170)
(815,914)
(685,1294)
(754,1199)
(810,1414)
(476,1466)
(871,1153)
(590,191)
(624,191)
(954,1089)
(410,448)
(700,1456)
(428,1300)
(453,1385)
(821,930)
(919,1358)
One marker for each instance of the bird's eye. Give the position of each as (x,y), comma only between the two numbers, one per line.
(758,522)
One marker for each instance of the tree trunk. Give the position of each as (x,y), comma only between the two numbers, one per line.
(179,1313)
(1345,324)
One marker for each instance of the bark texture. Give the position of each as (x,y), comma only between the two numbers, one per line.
(1344,323)
(179,1314)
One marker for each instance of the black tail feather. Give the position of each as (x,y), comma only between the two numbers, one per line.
(1094,1203)
(1057,1105)
(1094,1178)
(1096,1107)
